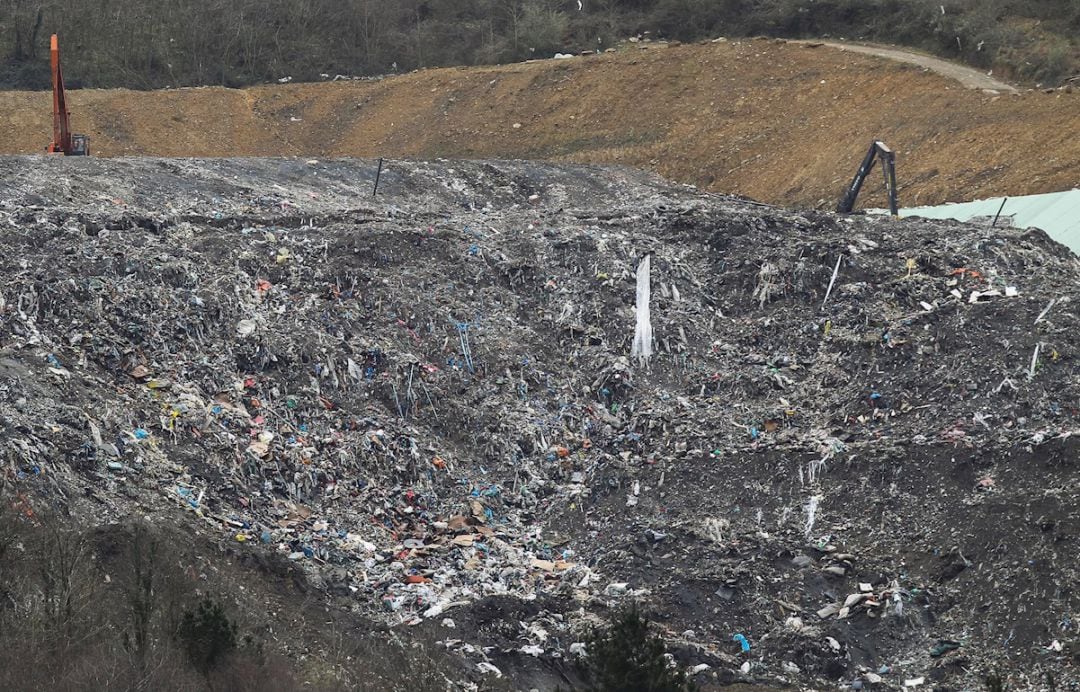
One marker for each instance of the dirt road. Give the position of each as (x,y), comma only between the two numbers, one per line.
(968,76)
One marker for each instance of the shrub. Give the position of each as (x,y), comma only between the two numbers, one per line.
(628,657)
(542,31)
(207,635)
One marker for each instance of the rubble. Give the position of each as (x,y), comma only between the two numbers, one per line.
(443,396)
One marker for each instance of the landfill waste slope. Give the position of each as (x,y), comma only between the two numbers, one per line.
(849,458)
(785,123)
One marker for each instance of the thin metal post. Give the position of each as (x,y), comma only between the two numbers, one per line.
(378,174)
(1003,201)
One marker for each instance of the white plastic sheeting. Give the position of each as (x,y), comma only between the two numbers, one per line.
(1057,213)
(643,341)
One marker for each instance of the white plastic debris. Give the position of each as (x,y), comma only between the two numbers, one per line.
(811,514)
(1037,319)
(643,337)
(616,589)
(485,667)
(832,281)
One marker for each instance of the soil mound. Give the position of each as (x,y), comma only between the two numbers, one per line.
(784,123)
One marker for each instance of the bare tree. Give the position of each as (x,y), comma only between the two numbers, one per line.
(26,17)
(67,586)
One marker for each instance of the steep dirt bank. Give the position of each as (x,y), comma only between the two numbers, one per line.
(778,122)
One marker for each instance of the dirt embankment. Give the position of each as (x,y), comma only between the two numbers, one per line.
(780,122)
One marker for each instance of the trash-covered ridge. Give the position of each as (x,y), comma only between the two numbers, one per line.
(426,395)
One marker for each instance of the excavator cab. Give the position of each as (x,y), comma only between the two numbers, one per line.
(63,142)
(80,145)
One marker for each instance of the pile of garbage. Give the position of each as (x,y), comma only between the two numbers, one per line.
(815,447)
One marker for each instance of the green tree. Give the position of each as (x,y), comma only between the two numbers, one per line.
(628,657)
(541,30)
(207,635)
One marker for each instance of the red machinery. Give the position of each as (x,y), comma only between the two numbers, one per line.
(63,142)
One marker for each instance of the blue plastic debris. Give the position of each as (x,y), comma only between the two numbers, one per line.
(742,642)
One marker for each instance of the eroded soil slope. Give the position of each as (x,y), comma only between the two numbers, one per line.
(779,122)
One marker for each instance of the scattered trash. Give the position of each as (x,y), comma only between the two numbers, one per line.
(429,401)
(943,647)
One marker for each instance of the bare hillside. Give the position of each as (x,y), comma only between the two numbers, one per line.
(779,122)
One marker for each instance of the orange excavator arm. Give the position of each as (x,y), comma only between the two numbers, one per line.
(63,141)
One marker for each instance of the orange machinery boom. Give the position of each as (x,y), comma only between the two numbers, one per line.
(63,142)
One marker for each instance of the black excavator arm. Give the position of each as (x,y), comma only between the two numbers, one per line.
(878,150)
